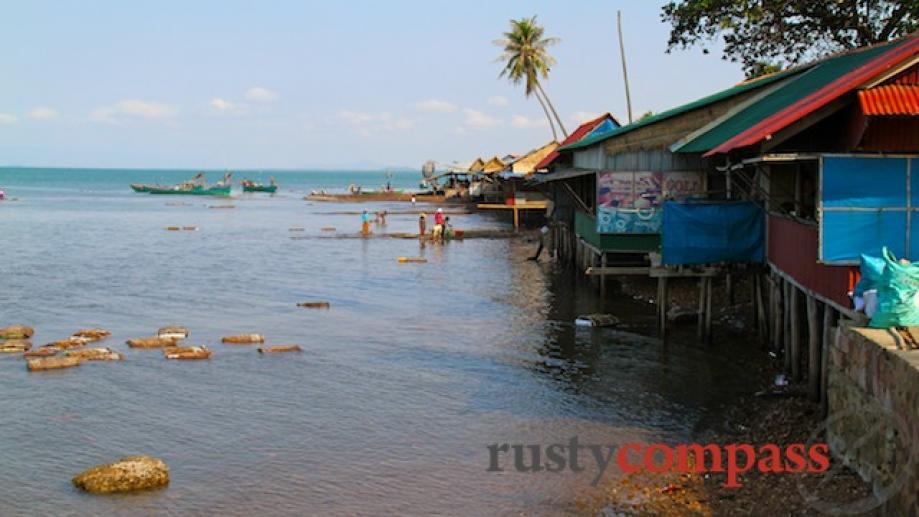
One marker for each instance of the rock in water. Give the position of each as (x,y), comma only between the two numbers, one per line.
(51,363)
(153,342)
(16,332)
(244,339)
(125,475)
(278,349)
(96,354)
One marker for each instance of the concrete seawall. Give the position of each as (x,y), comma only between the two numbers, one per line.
(873,413)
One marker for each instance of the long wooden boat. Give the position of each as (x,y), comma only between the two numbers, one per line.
(197,190)
(258,187)
(140,187)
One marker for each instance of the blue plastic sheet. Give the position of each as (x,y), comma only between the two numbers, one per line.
(703,233)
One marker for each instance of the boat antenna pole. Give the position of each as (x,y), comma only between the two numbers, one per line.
(625,72)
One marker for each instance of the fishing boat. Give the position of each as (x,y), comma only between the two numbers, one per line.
(251,186)
(140,187)
(197,187)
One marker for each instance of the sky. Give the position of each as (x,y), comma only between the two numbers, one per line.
(298,84)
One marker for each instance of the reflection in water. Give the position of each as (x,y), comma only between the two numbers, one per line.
(403,383)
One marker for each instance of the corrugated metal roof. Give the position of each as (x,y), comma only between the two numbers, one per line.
(893,99)
(798,88)
(579,133)
(833,78)
(679,110)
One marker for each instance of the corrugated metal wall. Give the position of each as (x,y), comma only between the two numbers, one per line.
(792,248)
(595,157)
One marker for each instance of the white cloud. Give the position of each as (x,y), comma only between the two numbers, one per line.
(479,120)
(221,104)
(521,122)
(43,113)
(436,106)
(133,108)
(6,118)
(498,101)
(368,124)
(259,94)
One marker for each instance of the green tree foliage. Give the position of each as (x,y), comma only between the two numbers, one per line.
(526,57)
(765,34)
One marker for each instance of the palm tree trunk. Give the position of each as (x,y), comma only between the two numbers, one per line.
(551,107)
(549,117)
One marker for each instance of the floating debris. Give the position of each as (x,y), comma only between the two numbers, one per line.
(173,332)
(95,354)
(278,349)
(314,305)
(153,342)
(244,339)
(414,260)
(16,332)
(51,363)
(187,352)
(125,475)
(15,346)
(596,320)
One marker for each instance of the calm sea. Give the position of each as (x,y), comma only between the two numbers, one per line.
(401,386)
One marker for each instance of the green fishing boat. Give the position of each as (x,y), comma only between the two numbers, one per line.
(251,186)
(140,187)
(196,187)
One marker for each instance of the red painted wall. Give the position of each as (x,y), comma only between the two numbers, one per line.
(793,249)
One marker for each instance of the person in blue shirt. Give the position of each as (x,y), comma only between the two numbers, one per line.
(365,222)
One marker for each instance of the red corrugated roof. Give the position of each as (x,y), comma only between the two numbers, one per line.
(579,133)
(894,99)
(823,96)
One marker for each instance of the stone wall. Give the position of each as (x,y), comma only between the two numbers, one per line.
(873,417)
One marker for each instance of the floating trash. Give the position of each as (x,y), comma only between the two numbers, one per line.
(152,342)
(16,332)
(51,363)
(187,352)
(596,320)
(279,349)
(95,354)
(413,260)
(244,339)
(314,305)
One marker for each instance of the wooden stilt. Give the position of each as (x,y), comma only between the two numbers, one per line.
(814,343)
(662,298)
(700,314)
(516,218)
(829,322)
(786,324)
(795,335)
(776,314)
(729,288)
(708,310)
(603,278)
(761,327)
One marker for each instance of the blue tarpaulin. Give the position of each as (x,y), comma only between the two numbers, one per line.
(703,233)
(864,207)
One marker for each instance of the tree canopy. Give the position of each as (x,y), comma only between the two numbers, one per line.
(767,34)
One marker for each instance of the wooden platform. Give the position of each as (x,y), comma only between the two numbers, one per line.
(530,205)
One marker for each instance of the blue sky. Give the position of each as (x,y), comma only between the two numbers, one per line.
(235,84)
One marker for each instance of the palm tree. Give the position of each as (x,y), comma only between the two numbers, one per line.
(527,59)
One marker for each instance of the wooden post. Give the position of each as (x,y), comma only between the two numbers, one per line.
(761,327)
(786,324)
(776,313)
(603,277)
(700,314)
(662,296)
(795,334)
(708,310)
(829,321)
(814,343)
(516,218)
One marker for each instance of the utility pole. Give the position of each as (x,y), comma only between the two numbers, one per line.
(625,72)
